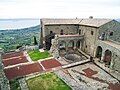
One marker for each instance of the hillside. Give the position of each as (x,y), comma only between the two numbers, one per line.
(11,39)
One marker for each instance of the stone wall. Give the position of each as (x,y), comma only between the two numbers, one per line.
(112,26)
(89,39)
(115,62)
(67,29)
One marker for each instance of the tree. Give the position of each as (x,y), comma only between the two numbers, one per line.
(35,41)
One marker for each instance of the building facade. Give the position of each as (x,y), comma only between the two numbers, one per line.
(99,38)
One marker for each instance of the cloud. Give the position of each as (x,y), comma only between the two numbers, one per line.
(59,8)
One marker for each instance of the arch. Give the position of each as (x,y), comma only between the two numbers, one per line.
(61,32)
(71,44)
(99,52)
(107,57)
(78,44)
(62,45)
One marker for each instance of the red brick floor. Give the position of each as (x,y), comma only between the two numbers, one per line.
(16,60)
(89,72)
(52,63)
(22,70)
(12,54)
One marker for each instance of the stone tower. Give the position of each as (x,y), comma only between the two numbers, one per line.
(4,82)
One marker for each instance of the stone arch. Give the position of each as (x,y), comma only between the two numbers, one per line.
(99,52)
(107,57)
(62,45)
(71,44)
(78,44)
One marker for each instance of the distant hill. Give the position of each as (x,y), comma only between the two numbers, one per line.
(12,38)
(118,20)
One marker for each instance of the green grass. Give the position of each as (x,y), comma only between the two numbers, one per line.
(36,55)
(47,81)
(14,85)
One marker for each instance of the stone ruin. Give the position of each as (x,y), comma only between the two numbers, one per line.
(54,47)
(73,57)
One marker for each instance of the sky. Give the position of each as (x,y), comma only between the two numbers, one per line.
(59,8)
(12,9)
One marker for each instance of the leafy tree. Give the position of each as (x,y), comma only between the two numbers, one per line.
(35,41)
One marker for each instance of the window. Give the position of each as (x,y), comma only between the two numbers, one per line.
(92,32)
(79,31)
(51,32)
(86,46)
(61,32)
(111,33)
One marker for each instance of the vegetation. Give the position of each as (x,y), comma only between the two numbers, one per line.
(35,41)
(14,85)
(47,81)
(12,39)
(36,55)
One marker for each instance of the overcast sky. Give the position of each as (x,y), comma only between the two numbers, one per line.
(59,8)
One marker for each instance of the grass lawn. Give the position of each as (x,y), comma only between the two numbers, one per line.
(14,85)
(48,81)
(36,55)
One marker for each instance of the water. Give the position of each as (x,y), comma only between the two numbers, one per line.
(18,23)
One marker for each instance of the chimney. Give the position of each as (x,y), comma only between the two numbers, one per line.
(91,17)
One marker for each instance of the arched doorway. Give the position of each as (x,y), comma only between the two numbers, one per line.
(78,44)
(99,52)
(70,47)
(71,44)
(61,32)
(107,57)
(62,48)
(62,45)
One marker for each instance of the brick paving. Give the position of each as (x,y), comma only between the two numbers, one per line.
(12,54)
(13,58)
(51,63)
(22,70)
(16,60)
(19,70)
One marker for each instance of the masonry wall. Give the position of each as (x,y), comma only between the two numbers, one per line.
(67,29)
(89,39)
(115,62)
(112,26)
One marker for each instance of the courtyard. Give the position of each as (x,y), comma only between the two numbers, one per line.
(82,76)
(48,81)
(89,76)
(36,55)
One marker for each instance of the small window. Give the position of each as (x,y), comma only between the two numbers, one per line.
(80,32)
(51,32)
(92,32)
(111,33)
(67,27)
(61,32)
(86,46)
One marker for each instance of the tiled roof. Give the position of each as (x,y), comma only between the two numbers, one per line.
(94,22)
(89,22)
(60,21)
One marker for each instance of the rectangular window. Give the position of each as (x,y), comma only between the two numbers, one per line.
(92,32)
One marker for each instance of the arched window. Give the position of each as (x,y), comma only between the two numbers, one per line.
(92,32)
(80,32)
(99,52)
(61,32)
(111,33)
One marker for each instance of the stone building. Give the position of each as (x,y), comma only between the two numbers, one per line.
(99,38)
